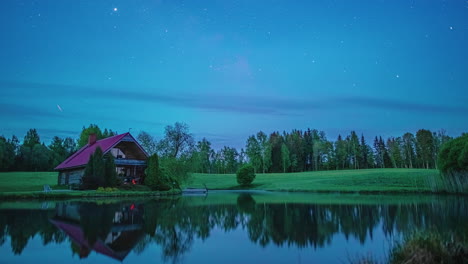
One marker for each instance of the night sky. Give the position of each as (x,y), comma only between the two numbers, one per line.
(231,68)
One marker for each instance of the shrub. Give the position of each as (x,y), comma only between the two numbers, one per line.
(107,189)
(245,175)
(429,248)
(134,187)
(158,178)
(453,164)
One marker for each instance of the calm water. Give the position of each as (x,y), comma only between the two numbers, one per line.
(223,227)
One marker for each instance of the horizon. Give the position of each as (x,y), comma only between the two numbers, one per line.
(231,69)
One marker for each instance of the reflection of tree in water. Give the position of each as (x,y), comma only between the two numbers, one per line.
(22,225)
(175,224)
(96,220)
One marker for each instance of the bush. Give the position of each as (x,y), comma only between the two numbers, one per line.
(162,179)
(453,164)
(107,189)
(134,187)
(245,175)
(429,248)
(153,172)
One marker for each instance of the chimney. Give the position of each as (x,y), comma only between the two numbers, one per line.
(91,139)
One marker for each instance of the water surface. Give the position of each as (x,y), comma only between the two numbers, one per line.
(227,227)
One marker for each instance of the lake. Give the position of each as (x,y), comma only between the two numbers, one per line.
(222,227)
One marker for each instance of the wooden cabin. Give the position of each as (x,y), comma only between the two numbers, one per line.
(130,158)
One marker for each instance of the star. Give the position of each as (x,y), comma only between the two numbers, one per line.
(451,28)
(398,76)
(115,9)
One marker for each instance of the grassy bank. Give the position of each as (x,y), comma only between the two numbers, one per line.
(80,194)
(30,185)
(371,180)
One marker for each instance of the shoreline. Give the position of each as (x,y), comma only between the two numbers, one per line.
(31,195)
(8,196)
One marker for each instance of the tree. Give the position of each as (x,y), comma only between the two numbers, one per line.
(440,138)
(286,161)
(147,142)
(265,150)
(424,148)
(230,159)
(203,150)
(364,153)
(177,141)
(31,138)
(7,154)
(245,175)
(153,173)
(394,146)
(86,131)
(40,157)
(94,175)
(354,149)
(58,152)
(253,152)
(275,142)
(340,152)
(453,164)
(110,173)
(408,150)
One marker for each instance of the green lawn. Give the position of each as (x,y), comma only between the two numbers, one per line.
(371,180)
(27,181)
(28,185)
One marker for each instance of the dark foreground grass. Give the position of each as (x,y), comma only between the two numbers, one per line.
(365,181)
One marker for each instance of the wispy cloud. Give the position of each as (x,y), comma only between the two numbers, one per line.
(242,104)
(22,110)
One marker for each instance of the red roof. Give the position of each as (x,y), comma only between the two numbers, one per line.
(81,157)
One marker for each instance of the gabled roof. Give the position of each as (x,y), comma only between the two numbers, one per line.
(81,157)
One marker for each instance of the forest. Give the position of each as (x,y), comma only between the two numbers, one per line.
(294,151)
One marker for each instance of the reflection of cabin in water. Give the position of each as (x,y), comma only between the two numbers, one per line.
(125,232)
(130,158)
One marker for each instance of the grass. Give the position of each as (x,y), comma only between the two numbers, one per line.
(365,181)
(30,185)
(27,181)
(15,185)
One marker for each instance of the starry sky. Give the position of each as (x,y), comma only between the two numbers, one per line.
(232,68)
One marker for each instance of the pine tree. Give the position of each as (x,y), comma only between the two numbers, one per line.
(110,171)
(153,172)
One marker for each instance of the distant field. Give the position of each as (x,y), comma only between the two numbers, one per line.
(26,181)
(371,180)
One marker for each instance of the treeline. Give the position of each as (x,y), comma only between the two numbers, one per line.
(310,150)
(32,154)
(295,151)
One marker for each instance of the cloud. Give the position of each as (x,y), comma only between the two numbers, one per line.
(20,110)
(242,104)
(397,105)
